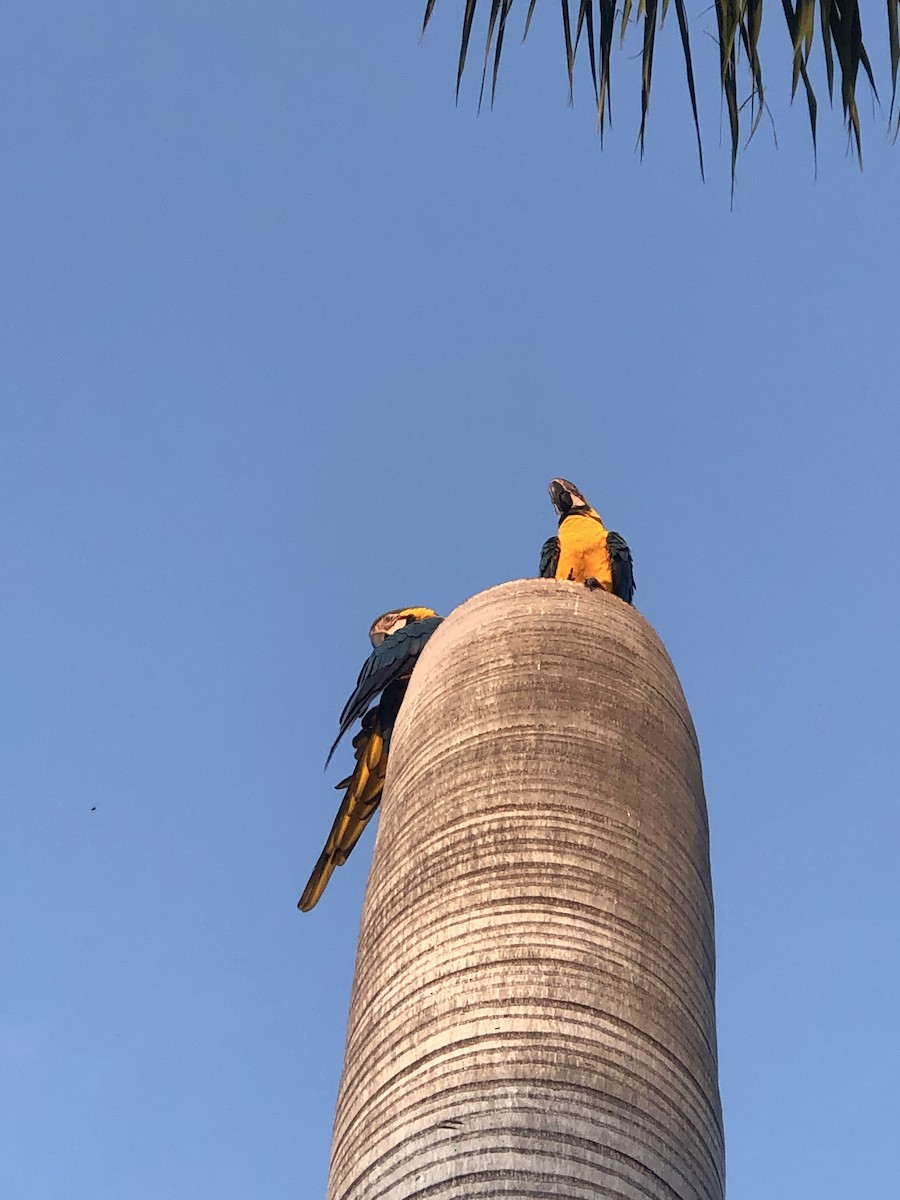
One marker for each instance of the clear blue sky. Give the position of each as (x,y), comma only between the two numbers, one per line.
(289,340)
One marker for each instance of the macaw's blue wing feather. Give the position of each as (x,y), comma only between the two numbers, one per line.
(621,566)
(549,558)
(392,660)
(386,671)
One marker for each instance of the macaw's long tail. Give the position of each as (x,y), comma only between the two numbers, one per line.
(362,797)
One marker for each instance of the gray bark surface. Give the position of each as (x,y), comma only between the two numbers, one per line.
(533,1007)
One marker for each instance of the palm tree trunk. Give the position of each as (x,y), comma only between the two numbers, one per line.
(533,1007)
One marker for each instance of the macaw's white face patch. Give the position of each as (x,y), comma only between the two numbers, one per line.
(397,618)
(387,624)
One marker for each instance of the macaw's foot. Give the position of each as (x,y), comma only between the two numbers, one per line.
(592,584)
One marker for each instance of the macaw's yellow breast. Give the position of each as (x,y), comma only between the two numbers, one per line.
(582,551)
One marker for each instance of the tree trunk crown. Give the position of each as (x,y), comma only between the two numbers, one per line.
(533,1007)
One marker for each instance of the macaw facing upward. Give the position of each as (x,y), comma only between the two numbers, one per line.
(584,550)
(398,638)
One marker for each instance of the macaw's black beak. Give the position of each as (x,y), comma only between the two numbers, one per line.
(377,638)
(560,496)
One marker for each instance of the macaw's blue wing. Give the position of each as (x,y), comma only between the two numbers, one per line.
(549,558)
(394,659)
(621,566)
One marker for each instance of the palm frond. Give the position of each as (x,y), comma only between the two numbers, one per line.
(528,19)
(586,22)
(738,25)
(607,29)
(894,39)
(468,18)
(825,23)
(728,18)
(689,67)
(499,8)
(800,60)
(570,53)
(649,9)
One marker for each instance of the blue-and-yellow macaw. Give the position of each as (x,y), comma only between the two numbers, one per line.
(398,637)
(584,550)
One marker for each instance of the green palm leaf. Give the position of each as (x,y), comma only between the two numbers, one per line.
(894,38)
(738,25)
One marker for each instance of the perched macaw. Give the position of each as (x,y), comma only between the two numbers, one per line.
(585,550)
(398,638)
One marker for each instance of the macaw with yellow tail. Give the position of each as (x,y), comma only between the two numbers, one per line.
(584,550)
(398,637)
